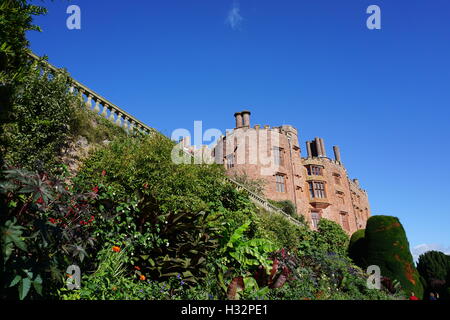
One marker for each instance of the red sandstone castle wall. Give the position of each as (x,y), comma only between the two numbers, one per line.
(345,202)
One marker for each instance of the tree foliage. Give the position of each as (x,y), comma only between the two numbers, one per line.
(434,267)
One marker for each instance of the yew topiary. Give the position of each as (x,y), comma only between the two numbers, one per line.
(388,247)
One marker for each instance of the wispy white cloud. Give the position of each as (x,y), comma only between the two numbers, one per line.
(234,18)
(422,248)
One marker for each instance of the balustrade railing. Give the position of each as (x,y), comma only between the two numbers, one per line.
(263,203)
(96,103)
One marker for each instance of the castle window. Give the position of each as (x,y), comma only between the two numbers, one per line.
(314,171)
(344,221)
(317,189)
(315,218)
(337,178)
(230,161)
(278,156)
(280,183)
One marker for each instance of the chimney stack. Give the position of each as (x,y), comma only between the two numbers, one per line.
(246,118)
(238,116)
(337,154)
(308,149)
(322,146)
(318,146)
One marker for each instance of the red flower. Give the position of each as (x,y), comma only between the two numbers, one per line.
(103,173)
(146,185)
(95,189)
(137,268)
(52,220)
(40,200)
(116,249)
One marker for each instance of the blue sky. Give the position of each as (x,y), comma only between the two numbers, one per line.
(382,95)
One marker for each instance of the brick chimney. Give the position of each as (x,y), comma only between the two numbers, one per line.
(308,149)
(246,118)
(337,153)
(238,116)
(322,146)
(318,147)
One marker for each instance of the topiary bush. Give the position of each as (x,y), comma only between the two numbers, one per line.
(388,247)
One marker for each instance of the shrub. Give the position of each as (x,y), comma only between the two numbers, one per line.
(330,237)
(279,230)
(238,259)
(45,229)
(388,247)
(357,248)
(287,206)
(16,18)
(41,118)
(112,281)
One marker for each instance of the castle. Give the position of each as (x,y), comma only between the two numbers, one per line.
(317,185)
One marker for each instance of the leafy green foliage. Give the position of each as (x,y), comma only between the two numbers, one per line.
(287,206)
(238,258)
(331,238)
(280,231)
(248,253)
(15,21)
(190,238)
(42,116)
(45,228)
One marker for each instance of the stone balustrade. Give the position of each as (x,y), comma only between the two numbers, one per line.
(263,203)
(96,103)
